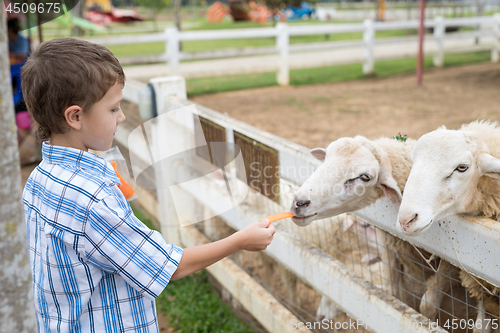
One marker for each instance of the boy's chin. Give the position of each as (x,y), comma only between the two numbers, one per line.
(101,147)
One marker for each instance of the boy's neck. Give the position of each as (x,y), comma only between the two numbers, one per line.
(67,140)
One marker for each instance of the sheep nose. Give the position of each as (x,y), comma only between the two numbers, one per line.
(406,222)
(301,203)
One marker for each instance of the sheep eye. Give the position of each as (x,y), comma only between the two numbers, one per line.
(462,168)
(364,177)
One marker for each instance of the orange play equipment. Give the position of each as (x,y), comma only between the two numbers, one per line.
(242,11)
(126,189)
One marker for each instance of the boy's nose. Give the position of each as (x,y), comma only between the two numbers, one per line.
(121,117)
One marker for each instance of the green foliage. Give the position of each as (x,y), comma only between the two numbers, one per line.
(400,137)
(155,5)
(280,4)
(193,306)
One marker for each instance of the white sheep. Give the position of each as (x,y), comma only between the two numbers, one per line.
(355,173)
(455,171)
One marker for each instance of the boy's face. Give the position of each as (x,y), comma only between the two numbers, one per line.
(100,122)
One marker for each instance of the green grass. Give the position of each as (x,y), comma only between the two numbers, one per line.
(192,305)
(324,74)
(227,83)
(229,24)
(126,50)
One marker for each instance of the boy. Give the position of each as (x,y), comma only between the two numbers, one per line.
(95,266)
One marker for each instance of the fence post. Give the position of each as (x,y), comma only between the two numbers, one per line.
(496,38)
(173,52)
(161,146)
(439,33)
(282,43)
(369,40)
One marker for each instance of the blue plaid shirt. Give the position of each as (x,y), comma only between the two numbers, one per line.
(95,266)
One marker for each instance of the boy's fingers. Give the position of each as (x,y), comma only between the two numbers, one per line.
(265,223)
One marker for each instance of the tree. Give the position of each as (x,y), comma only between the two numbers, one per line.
(78,12)
(16,296)
(177,13)
(154,7)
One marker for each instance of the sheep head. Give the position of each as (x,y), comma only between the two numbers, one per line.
(443,181)
(355,172)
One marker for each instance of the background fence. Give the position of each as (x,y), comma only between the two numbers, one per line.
(486,36)
(410,10)
(304,269)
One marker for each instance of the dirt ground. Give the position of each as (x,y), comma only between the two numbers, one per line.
(316,115)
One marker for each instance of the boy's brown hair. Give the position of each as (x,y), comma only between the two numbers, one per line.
(63,72)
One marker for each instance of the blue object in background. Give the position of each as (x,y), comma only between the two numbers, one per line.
(15,75)
(305,10)
(20,45)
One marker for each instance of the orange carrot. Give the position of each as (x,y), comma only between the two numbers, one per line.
(126,189)
(276,217)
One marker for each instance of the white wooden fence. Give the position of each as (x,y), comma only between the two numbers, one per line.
(489,29)
(357,297)
(397,11)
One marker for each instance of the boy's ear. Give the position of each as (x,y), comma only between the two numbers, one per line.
(72,115)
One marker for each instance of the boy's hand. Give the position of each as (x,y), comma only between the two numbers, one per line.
(256,236)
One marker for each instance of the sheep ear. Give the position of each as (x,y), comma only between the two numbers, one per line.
(490,166)
(385,180)
(390,187)
(319,153)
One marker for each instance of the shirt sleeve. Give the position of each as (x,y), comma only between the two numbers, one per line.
(117,242)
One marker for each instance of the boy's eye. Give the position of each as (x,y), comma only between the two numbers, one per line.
(115,109)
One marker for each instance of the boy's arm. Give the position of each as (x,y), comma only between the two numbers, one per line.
(254,237)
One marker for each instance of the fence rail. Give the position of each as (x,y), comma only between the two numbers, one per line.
(487,26)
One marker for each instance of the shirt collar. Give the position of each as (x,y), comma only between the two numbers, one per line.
(79,158)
